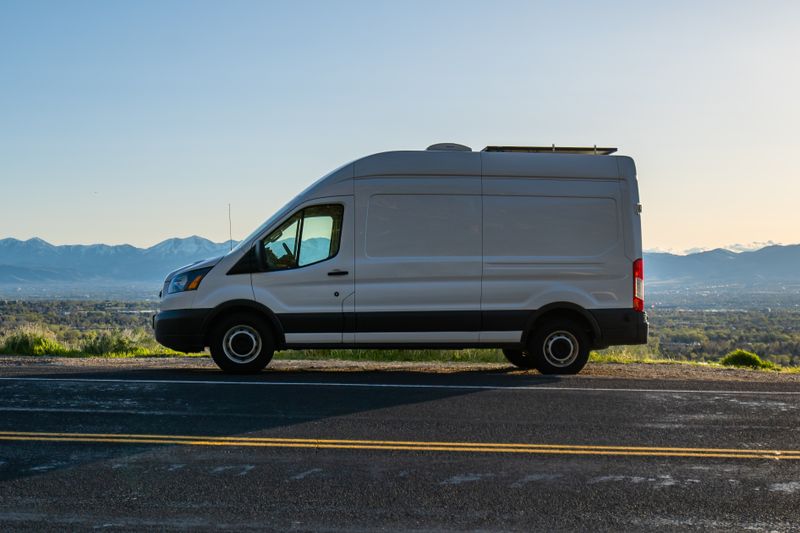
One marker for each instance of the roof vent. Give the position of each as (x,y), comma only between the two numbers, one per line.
(450,147)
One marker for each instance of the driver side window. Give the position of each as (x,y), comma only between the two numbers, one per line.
(307,237)
(280,246)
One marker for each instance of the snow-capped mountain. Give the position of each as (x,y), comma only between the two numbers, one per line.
(190,246)
(36,260)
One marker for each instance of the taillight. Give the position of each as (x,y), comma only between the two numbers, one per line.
(638,285)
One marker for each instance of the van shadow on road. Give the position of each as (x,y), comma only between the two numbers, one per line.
(199,402)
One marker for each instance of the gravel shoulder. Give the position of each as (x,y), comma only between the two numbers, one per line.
(634,371)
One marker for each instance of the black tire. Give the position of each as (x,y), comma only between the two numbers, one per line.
(519,358)
(559,347)
(242,344)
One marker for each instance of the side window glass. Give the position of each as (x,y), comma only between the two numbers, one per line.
(309,236)
(322,228)
(280,246)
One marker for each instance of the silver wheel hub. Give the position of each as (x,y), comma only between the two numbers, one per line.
(560,348)
(241,344)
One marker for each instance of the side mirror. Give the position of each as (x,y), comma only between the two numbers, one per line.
(261,259)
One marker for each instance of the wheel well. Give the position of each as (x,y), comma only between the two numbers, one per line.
(247,309)
(578,315)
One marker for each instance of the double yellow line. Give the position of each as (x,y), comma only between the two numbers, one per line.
(392,445)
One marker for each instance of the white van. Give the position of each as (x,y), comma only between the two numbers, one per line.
(536,251)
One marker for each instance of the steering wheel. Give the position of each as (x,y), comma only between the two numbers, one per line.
(288,251)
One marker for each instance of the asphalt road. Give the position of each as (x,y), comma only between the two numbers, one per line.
(86,448)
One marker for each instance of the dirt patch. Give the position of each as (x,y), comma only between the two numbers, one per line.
(661,371)
(640,371)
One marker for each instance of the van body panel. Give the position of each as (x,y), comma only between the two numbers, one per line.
(553,240)
(314,339)
(629,190)
(338,182)
(422,338)
(219,287)
(181,300)
(495,338)
(416,163)
(442,249)
(549,165)
(418,248)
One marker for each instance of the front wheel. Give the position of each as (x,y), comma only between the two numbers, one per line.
(242,344)
(519,358)
(559,347)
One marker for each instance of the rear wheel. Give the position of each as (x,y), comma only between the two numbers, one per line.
(242,344)
(519,358)
(559,347)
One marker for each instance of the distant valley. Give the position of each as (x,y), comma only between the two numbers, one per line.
(36,268)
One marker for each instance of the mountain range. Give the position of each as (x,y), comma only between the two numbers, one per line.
(767,266)
(35,261)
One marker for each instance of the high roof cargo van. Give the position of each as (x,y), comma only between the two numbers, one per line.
(536,251)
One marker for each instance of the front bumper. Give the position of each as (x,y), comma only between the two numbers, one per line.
(620,326)
(182,330)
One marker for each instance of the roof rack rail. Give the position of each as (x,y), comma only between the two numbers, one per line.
(553,149)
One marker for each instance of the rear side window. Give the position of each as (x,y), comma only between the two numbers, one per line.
(307,237)
(557,226)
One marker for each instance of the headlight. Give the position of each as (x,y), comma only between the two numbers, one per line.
(187,281)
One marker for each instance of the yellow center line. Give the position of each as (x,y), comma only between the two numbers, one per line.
(474,447)
(275,440)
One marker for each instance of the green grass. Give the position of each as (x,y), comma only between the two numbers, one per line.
(164,352)
(737,358)
(115,342)
(597,357)
(36,340)
(745,359)
(32,340)
(630,354)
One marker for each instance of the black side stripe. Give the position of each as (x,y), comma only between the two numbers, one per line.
(312,322)
(405,321)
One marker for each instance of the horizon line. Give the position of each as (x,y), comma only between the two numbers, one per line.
(736,248)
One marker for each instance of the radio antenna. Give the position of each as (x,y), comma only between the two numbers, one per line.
(230,228)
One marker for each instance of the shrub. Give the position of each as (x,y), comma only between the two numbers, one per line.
(107,342)
(32,340)
(743,358)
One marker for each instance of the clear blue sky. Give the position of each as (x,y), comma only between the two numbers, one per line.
(134,122)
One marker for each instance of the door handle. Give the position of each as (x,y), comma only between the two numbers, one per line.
(338,273)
